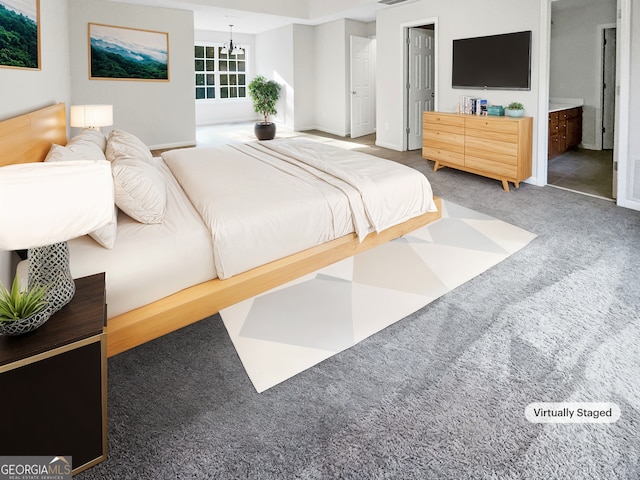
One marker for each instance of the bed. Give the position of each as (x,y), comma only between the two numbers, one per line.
(205,254)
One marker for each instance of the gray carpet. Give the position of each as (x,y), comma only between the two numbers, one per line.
(438,395)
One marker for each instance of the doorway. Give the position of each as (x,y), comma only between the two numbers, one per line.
(590,168)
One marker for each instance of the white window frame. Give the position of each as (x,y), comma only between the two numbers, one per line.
(218,73)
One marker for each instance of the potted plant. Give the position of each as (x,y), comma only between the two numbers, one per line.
(265,94)
(514,109)
(22,311)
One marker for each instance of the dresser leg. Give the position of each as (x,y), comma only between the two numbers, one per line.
(505,185)
(436,166)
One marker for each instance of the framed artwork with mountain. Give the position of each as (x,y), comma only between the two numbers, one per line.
(20,34)
(122,53)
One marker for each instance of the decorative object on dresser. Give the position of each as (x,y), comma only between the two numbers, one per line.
(514,109)
(494,147)
(265,94)
(495,110)
(91,116)
(54,383)
(44,204)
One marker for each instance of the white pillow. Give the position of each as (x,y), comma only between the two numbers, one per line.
(58,153)
(106,235)
(122,144)
(140,190)
(85,148)
(89,135)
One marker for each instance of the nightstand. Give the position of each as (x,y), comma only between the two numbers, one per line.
(53,383)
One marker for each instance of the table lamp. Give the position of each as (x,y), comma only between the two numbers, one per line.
(44,204)
(91,116)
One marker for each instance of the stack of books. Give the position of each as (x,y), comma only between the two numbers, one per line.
(472,106)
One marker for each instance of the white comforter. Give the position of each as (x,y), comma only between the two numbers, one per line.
(264,201)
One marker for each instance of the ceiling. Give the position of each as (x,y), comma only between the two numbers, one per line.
(256,16)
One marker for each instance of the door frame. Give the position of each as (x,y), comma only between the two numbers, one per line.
(623,76)
(404,30)
(599,70)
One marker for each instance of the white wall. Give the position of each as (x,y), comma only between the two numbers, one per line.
(161,114)
(479,18)
(23,91)
(574,58)
(274,60)
(213,112)
(304,64)
(330,98)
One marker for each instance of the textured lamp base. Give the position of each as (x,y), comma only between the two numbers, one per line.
(49,266)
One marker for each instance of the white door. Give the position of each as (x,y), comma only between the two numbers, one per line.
(362,86)
(421,90)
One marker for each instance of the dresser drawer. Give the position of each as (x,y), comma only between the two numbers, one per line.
(574,112)
(496,168)
(443,119)
(485,148)
(442,155)
(492,135)
(444,140)
(485,124)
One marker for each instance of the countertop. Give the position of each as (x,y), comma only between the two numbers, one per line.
(556,107)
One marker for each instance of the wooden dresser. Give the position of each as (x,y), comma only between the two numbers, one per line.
(494,147)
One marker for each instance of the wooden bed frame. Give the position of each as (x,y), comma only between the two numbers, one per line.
(27,138)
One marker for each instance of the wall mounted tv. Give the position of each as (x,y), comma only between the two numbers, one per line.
(494,62)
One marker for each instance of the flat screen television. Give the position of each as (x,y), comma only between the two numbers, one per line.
(494,62)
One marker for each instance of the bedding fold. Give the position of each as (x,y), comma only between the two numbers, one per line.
(265,201)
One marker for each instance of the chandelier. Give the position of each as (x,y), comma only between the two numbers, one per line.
(230,47)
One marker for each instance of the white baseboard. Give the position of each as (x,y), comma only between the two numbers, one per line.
(390,146)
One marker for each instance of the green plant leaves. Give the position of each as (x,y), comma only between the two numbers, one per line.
(16,304)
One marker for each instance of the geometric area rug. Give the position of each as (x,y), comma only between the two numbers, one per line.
(295,326)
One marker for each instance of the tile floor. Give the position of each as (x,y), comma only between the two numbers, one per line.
(586,171)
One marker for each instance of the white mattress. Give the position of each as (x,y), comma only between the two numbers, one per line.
(149,262)
(265,201)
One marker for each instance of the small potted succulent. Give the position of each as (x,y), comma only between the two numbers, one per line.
(265,94)
(22,311)
(514,109)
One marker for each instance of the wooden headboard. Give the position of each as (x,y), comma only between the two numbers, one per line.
(28,138)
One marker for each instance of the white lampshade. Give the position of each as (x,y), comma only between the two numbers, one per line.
(44,204)
(48,202)
(91,116)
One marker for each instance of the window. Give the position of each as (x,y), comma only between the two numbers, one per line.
(219,74)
